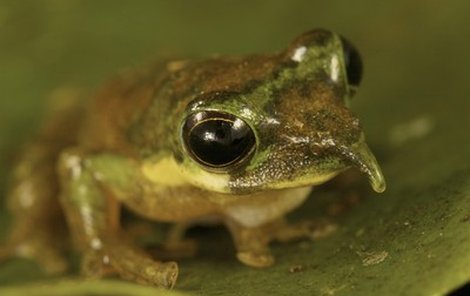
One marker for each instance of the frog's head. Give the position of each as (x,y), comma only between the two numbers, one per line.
(291,129)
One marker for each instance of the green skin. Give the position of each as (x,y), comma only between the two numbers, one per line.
(130,138)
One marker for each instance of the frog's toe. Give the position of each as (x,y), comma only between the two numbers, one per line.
(161,274)
(256,258)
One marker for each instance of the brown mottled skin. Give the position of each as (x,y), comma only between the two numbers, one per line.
(127,146)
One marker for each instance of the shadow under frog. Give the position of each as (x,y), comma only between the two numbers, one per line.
(239,140)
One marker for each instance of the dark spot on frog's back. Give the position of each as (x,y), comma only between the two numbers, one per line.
(303,89)
(251,85)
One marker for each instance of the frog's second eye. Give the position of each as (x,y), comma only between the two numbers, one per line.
(353,63)
(218,140)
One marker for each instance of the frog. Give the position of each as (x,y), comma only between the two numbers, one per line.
(235,140)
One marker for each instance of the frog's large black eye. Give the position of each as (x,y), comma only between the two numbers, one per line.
(218,140)
(353,62)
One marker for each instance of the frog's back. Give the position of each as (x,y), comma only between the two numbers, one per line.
(120,115)
(115,107)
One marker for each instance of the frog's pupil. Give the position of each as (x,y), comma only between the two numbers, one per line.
(219,142)
(353,62)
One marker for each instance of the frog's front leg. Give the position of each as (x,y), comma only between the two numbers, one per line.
(252,243)
(93,187)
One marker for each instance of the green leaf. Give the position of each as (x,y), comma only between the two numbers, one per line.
(412,240)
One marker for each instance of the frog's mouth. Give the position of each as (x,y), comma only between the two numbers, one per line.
(360,156)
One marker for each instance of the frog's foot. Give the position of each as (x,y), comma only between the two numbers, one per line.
(256,258)
(252,245)
(130,264)
(309,229)
(41,247)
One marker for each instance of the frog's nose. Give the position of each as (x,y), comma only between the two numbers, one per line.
(360,156)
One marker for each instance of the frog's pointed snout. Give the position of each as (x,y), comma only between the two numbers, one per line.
(360,156)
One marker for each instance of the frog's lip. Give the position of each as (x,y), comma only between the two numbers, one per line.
(360,156)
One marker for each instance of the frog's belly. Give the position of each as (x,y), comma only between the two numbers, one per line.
(261,208)
(186,204)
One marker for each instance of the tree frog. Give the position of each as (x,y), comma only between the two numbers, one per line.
(236,140)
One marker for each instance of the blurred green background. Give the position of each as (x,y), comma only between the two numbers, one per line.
(414,105)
